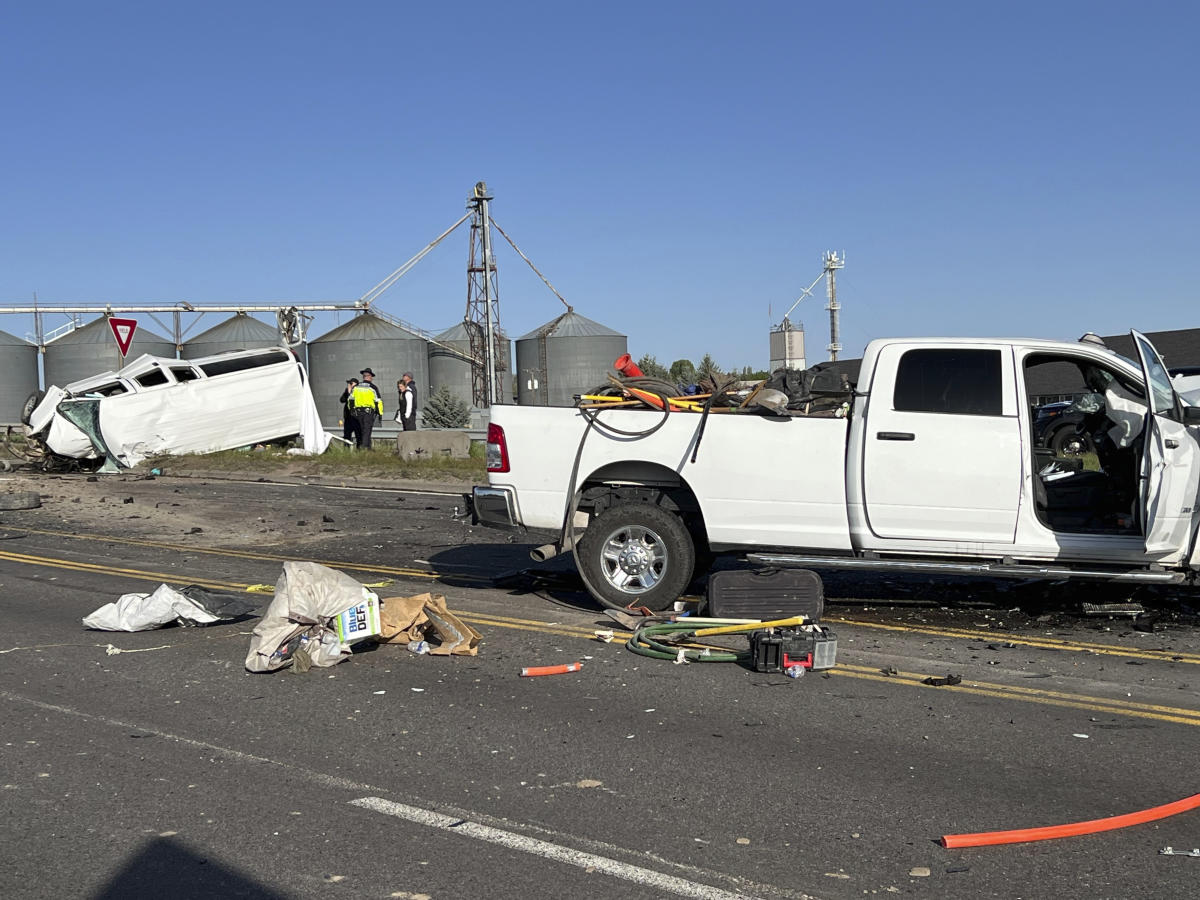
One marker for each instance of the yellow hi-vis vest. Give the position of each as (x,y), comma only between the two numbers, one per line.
(364,397)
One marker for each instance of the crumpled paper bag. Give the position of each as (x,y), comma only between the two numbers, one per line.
(422,616)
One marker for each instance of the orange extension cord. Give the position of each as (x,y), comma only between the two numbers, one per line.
(990,838)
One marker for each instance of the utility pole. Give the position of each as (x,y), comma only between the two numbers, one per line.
(483,302)
(833,261)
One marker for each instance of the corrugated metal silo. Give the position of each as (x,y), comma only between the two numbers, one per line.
(366,341)
(18,374)
(565,357)
(92,349)
(239,332)
(453,372)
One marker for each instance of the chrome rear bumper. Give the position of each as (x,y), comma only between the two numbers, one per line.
(494,507)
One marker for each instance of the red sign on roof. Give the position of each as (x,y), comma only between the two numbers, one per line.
(122,330)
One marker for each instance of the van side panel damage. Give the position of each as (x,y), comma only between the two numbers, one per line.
(156,405)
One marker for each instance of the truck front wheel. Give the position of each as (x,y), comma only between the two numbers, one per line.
(637,554)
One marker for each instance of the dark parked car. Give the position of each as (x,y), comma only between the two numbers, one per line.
(1060,426)
(1057,426)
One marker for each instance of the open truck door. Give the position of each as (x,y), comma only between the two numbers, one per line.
(1169,460)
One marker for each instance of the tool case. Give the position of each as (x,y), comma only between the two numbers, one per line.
(778,649)
(765,594)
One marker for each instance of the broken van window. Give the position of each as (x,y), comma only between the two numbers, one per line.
(111,389)
(225,366)
(153,378)
(184,373)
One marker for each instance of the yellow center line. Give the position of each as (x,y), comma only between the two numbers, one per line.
(1177,715)
(1041,643)
(114,570)
(265,557)
(1156,712)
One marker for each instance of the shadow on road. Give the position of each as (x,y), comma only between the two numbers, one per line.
(166,868)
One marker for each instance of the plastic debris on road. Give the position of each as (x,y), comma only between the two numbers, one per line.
(301,626)
(164,606)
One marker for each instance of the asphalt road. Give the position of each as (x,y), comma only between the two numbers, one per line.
(153,764)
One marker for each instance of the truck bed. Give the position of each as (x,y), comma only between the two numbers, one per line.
(760,480)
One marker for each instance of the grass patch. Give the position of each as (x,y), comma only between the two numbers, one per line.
(381,462)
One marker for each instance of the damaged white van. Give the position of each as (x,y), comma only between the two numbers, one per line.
(157,405)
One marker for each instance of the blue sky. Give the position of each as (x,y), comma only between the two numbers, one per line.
(675,169)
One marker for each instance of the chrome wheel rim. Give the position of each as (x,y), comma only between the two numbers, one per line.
(633,559)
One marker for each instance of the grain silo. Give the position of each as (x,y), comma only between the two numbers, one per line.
(565,357)
(450,370)
(92,349)
(239,332)
(18,374)
(366,341)
(787,346)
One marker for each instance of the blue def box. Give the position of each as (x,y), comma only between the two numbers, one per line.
(358,622)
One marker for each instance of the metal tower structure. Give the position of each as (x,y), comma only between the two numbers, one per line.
(483,302)
(833,261)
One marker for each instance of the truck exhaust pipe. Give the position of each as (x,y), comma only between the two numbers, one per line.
(549,551)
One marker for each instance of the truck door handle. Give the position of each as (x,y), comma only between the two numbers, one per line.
(895,436)
(1171,443)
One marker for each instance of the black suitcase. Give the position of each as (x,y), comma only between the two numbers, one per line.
(765,594)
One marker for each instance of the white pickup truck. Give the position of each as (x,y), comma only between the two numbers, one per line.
(931,468)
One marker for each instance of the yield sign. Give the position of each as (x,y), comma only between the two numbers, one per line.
(122,330)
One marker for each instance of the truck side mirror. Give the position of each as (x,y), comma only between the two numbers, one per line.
(1191,415)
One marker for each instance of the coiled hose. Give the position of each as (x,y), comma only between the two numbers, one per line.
(567,535)
(648,640)
(663,390)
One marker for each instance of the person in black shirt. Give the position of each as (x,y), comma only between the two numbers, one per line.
(350,429)
(408,398)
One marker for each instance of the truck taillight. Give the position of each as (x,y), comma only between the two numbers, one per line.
(497,449)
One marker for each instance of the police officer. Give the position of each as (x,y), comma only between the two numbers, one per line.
(368,405)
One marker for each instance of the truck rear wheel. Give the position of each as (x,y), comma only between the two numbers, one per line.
(637,554)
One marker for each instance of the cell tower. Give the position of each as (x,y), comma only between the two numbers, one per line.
(833,262)
(787,340)
(483,303)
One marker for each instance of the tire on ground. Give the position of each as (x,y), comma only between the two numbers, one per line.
(637,554)
(20,500)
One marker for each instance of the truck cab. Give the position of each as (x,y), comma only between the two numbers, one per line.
(942,460)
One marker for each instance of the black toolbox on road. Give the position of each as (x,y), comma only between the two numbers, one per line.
(765,594)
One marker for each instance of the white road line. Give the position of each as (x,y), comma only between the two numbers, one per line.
(604,864)
(556,852)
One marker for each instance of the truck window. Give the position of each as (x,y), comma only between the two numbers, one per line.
(953,381)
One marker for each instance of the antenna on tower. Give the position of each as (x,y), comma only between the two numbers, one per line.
(833,261)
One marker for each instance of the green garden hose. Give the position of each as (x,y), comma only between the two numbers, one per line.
(643,642)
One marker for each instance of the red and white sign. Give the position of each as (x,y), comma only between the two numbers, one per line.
(122,330)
